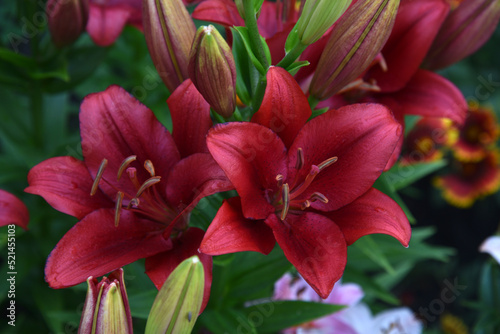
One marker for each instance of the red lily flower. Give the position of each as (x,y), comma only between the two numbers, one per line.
(13,211)
(107,18)
(142,198)
(305,185)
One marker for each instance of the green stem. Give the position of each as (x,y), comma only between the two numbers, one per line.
(291,56)
(253,32)
(218,117)
(259,94)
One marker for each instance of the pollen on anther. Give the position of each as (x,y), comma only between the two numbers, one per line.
(148,183)
(98,177)
(148,165)
(285,197)
(300,159)
(327,162)
(125,163)
(118,207)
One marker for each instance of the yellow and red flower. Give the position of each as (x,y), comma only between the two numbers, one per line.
(477,135)
(426,140)
(471,180)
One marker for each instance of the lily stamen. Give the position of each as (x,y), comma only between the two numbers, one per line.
(285,196)
(126,162)
(148,165)
(118,207)
(327,162)
(98,177)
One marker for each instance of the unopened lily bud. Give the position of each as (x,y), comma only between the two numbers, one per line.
(213,71)
(106,309)
(67,20)
(178,302)
(317,17)
(357,38)
(169,32)
(463,32)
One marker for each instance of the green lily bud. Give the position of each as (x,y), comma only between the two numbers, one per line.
(67,20)
(169,33)
(357,38)
(213,71)
(463,32)
(317,17)
(178,302)
(106,309)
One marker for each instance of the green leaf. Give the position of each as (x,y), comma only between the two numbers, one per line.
(402,176)
(273,316)
(226,321)
(293,39)
(372,250)
(252,275)
(294,67)
(244,69)
(243,32)
(82,62)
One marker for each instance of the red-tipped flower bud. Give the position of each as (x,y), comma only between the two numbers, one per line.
(106,309)
(67,20)
(213,71)
(169,32)
(357,38)
(464,31)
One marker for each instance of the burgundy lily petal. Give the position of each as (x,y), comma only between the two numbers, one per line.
(429,94)
(193,178)
(361,136)
(416,25)
(94,247)
(65,183)
(230,232)
(284,108)
(13,211)
(252,156)
(106,22)
(110,129)
(190,119)
(159,266)
(374,212)
(223,12)
(315,246)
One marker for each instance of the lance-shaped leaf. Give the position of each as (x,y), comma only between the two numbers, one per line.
(356,39)
(106,309)
(213,71)
(67,20)
(178,303)
(464,31)
(169,32)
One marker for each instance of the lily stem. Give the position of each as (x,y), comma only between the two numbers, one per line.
(293,55)
(253,32)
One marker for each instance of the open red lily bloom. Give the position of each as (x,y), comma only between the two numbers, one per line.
(143,182)
(107,18)
(305,185)
(13,211)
